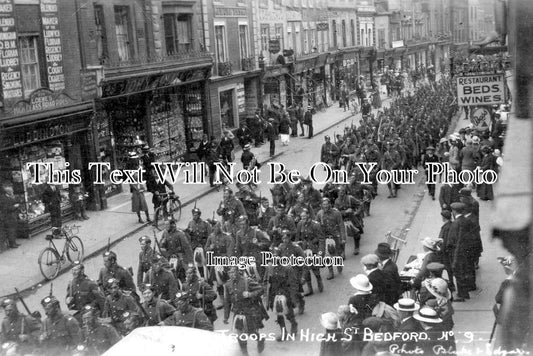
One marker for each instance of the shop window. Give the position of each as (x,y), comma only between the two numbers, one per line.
(29,64)
(265,35)
(122,30)
(226,109)
(243,41)
(101,37)
(178,32)
(220,41)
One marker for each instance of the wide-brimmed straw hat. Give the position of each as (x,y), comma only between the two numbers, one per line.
(427,315)
(406,304)
(329,321)
(361,283)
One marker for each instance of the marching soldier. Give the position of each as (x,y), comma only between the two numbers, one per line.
(311,195)
(265,213)
(250,202)
(162,281)
(177,249)
(282,290)
(221,244)
(97,337)
(145,258)
(187,315)
(301,204)
(242,296)
(332,225)
(82,291)
(116,304)
(230,203)
(19,328)
(351,211)
(310,233)
(198,229)
(155,310)
(201,294)
(60,333)
(112,270)
(329,153)
(430,157)
(391,161)
(251,241)
(281,221)
(288,248)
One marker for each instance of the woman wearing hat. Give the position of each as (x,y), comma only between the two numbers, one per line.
(488,162)
(431,247)
(331,344)
(440,301)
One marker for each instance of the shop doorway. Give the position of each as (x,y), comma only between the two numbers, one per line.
(227,115)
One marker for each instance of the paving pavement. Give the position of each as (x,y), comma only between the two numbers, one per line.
(19,267)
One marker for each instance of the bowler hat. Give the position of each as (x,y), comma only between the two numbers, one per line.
(435,267)
(458,207)
(370,259)
(383,250)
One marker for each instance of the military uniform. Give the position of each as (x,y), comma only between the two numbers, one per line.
(198,230)
(100,338)
(297,209)
(293,249)
(20,325)
(329,154)
(61,335)
(177,244)
(279,223)
(163,283)
(250,242)
(234,205)
(84,291)
(125,280)
(115,307)
(158,310)
(333,226)
(145,263)
(208,297)
(310,233)
(351,211)
(194,318)
(264,216)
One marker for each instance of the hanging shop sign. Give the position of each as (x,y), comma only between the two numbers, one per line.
(481,119)
(52,45)
(9,55)
(241,102)
(42,99)
(481,90)
(271,87)
(274,46)
(151,82)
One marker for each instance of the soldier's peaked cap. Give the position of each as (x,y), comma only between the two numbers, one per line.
(49,300)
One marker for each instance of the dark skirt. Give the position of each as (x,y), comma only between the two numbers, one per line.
(485,192)
(138,203)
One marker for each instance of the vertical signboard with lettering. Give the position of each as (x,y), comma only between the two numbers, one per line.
(52,45)
(9,54)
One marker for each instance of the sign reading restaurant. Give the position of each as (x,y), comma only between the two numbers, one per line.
(480,90)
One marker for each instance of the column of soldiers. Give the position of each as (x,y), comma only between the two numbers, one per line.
(175,287)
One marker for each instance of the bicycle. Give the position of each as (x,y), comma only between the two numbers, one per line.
(170,208)
(50,260)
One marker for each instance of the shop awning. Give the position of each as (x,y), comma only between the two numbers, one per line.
(47,115)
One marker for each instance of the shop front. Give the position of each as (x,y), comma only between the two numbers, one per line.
(278,88)
(305,77)
(60,136)
(167,112)
(351,67)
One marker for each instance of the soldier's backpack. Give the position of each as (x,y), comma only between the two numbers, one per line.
(280,305)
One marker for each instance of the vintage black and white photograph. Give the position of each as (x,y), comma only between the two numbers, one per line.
(266,177)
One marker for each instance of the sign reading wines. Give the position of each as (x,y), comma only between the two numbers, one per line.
(10,78)
(52,45)
(478,90)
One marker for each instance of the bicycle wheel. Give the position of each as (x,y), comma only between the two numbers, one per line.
(75,249)
(157,213)
(49,263)
(174,209)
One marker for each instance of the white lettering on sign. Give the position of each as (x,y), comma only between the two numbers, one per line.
(52,42)
(6,8)
(481,90)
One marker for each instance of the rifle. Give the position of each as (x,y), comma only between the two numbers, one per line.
(157,243)
(143,311)
(36,314)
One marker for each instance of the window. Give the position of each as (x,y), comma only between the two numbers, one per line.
(265,35)
(243,41)
(277,4)
(178,31)
(101,37)
(352,31)
(343,32)
(381,38)
(312,41)
(289,37)
(334,29)
(29,64)
(279,35)
(122,29)
(220,42)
